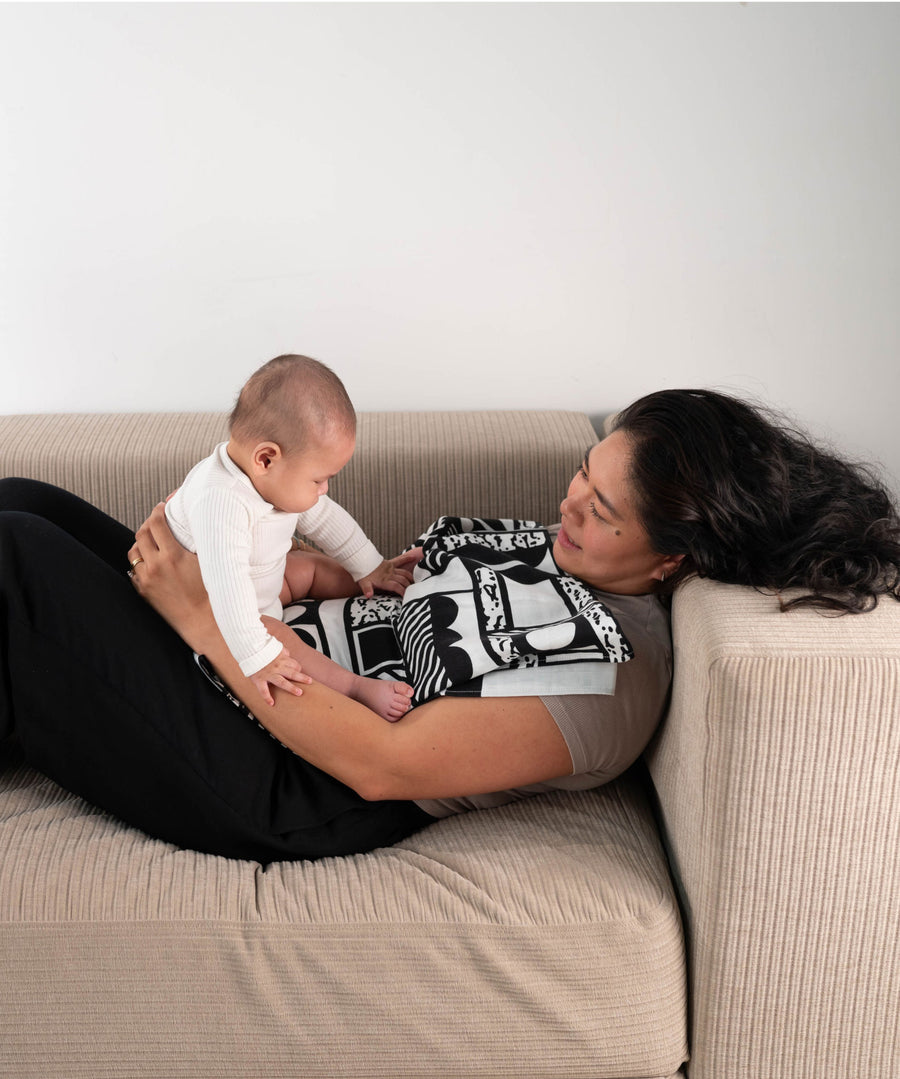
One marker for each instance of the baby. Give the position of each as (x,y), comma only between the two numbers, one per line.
(293,428)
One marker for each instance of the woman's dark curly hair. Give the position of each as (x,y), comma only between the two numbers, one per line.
(749,501)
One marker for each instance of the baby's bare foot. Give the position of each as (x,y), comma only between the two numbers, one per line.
(391,700)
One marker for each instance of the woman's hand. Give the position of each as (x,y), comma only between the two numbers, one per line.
(168,578)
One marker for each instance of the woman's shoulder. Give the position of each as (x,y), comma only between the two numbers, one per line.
(644,616)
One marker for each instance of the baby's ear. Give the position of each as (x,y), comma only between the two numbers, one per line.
(265,454)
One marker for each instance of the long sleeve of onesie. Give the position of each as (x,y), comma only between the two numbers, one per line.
(222,537)
(337,533)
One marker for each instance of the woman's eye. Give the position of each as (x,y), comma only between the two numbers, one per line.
(594,512)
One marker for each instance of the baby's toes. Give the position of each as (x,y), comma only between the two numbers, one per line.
(400,705)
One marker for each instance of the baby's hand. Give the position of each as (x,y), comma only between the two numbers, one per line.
(392,575)
(283,672)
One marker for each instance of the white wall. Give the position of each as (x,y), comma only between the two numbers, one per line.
(455,205)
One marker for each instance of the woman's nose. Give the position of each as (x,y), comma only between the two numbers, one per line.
(568,506)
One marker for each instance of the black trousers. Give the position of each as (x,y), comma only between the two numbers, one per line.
(108,701)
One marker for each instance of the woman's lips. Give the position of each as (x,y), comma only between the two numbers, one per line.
(566,541)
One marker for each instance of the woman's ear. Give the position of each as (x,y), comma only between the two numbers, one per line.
(668,566)
(264,455)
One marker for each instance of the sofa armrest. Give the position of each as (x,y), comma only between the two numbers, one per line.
(408,469)
(777,772)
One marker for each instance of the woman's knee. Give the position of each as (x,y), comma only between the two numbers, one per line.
(17,492)
(39,498)
(84,522)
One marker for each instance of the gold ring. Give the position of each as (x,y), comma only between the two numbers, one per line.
(135,561)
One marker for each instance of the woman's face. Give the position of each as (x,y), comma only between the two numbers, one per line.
(601,540)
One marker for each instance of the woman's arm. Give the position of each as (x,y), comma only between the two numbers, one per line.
(445,748)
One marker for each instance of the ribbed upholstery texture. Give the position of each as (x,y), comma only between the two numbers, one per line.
(123,463)
(540,939)
(537,939)
(778,770)
(408,469)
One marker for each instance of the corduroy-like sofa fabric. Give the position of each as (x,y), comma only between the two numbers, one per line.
(409,467)
(539,939)
(535,940)
(778,769)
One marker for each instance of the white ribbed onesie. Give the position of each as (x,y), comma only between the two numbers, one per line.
(242,542)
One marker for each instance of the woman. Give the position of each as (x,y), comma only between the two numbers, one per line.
(688,483)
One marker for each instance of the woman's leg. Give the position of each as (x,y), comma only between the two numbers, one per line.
(109,702)
(94,529)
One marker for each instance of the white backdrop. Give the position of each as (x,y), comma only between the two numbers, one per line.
(454,205)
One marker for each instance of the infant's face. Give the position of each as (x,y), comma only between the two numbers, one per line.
(296,482)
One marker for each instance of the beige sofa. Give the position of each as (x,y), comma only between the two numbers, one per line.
(548,938)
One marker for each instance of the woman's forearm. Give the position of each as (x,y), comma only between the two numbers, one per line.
(449,747)
(335,733)
(445,748)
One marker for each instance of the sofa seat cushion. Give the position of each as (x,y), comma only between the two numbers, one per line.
(541,938)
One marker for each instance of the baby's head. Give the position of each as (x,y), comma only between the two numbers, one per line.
(294,401)
(292,428)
